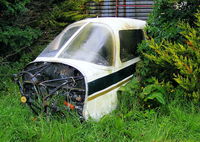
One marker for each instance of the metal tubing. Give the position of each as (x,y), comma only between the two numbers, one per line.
(133,5)
(116,8)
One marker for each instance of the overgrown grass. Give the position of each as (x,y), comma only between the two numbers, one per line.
(174,122)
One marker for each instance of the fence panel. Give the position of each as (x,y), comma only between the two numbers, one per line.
(138,9)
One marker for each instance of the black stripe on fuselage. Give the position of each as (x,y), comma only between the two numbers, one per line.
(106,81)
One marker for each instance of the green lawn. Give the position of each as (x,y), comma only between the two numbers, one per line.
(17,123)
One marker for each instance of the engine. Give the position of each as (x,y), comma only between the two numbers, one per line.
(52,88)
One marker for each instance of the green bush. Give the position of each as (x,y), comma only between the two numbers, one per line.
(143,95)
(167,14)
(183,60)
(12,8)
(13,35)
(26,25)
(14,39)
(62,14)
(178,63)
(170,66)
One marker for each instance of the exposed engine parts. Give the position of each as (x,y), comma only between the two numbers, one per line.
(52,88)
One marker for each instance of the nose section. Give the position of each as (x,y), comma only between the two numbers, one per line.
(52,88)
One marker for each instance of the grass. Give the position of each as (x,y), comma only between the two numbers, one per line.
(173,123)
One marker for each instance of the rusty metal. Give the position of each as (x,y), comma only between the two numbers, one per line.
(45,87)
(116,8)
(150,6)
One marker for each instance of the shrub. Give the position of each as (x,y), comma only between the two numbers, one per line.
(170,66)
(13,36)
(174,63)
(181,61)
(23,22)
(167,14)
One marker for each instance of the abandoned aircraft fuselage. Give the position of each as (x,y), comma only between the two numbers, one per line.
(83,67)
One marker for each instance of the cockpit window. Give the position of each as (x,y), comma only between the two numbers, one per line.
(52,49)
(93,44)
(129,41)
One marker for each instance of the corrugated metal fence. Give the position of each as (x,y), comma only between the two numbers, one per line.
(138,9)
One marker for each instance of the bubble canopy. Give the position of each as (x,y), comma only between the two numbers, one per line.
(90,42)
